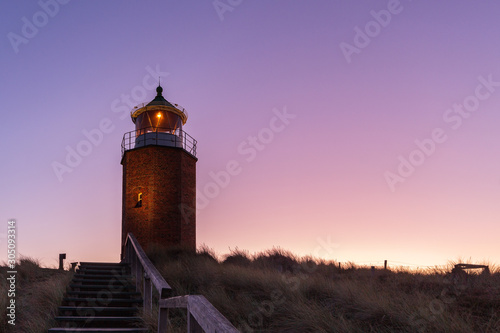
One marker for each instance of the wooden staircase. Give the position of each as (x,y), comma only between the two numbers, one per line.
(100,298)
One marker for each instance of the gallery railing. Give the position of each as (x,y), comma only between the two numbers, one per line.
(159,137)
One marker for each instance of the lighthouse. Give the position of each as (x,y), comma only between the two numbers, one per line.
(159,176)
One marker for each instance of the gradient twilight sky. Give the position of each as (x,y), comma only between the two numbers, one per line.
(357,102)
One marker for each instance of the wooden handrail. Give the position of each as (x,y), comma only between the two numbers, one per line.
(149,270)
(202,315)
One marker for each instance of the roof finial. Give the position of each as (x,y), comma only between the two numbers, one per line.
(159,90)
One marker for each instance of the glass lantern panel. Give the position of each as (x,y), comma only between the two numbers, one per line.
(158,121)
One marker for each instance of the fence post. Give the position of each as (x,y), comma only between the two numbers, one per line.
(385,264)
(148,294)
(62,256)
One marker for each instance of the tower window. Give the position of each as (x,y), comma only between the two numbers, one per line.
(139,200)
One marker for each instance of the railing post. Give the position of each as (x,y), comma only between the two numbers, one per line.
(133,263)
(193,326)
(148,294)
(131,254)
(128,253)
(126,257)
(162,320)
(138,275)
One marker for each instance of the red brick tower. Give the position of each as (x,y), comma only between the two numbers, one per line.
(159,176)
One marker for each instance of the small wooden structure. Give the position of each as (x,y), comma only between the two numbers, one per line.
(462,267)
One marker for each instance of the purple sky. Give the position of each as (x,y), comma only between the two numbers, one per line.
(364,130)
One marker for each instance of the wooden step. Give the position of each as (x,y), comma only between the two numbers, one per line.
(75,286)
(114,271)
(98,330)
(94,301)
(99,322)
(101,276)
(102,311)
(105,267)
(96,263)
(95,281)
(98,293)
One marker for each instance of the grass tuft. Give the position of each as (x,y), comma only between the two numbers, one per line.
(238,257)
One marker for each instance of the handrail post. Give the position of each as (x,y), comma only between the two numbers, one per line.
(162,320)
(138,276)
(126,255)
(128,252)
(133,264)
(123,254)
(148,294)
(192,324)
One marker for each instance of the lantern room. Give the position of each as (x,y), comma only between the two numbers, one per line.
(158,122)
(159,115)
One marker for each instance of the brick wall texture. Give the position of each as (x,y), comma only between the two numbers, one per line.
(166,177)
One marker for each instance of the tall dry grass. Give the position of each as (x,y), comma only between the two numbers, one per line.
(39,292)
(275,291)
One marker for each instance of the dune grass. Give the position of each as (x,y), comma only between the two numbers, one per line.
(275,291)
(39,292)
